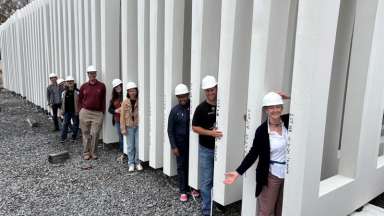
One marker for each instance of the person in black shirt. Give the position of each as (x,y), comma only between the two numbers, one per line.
(70,109)
(178,133)
(204,124)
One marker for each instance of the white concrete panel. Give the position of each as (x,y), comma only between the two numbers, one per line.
(96,34)
(55,49)
(60,34)
(143,77)
(82,42)
(337,88)
(71,27)
(64,12)
(88,35)
(110,57)
(205,45)
(76,51)
(129,41)
(234,61)
(156,83)
(173,70)
(270,70)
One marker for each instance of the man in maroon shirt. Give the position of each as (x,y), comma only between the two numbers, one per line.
(92,107)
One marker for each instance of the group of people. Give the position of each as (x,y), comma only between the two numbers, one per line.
(87,106)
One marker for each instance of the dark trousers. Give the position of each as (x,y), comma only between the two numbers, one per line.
(182,167)
(55,107)
(67,122)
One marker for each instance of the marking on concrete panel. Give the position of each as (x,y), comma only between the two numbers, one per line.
(290,129)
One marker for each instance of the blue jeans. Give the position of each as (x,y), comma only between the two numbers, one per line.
(133,145)
(118,130)
(67,122)
(206,161)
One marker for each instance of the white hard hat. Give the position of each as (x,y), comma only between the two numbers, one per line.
(60,80)
(131,85)
(91,68)
(52,75)
(69,78)
(181,89)
(271,99)
(208,82)
(116,82)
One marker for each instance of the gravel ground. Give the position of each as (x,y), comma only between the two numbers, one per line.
(30,185)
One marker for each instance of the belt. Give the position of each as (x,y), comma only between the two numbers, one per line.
(277,162)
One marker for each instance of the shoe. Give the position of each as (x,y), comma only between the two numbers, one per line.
(139,167)
(87,157)
(195,193)
(62,141)
(183,197)
(93,157)
(131,168)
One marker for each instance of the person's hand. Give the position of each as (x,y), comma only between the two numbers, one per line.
(216,133)
(176,152)
(231,177)
(124,132)
(283,95)
(117,110)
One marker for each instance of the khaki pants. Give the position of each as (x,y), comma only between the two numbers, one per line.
(90,124)
(271,197)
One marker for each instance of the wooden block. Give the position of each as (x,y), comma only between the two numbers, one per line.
(58,157)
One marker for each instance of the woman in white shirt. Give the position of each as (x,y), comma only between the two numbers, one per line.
(269,145)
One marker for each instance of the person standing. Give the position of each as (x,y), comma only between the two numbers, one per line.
(129,125)
(204,124)
(92,108)
(114,109)
(54,99)
(178,134)
(270,147)
(70,109)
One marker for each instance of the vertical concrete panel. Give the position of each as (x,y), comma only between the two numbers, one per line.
(129,41)
(235,41)
(110,57)
(143,77)
(82,42)
(337,89)
(173,70)
(60,35)
(205,45)
(71,39)
(65,18)
(315,44)
(270,70)
(156,83)
(96,34)
(87,34)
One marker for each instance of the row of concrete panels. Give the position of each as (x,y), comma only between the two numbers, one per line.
(330,64)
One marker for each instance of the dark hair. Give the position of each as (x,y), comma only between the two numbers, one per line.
(116,95)
(137,93)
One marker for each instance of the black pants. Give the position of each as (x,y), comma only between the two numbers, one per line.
(182,167)
(55,107)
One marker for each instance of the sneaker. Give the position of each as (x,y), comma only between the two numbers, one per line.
(183,197)
(131,168)
(62,141)
(139,167)
(87,157)
(195,193)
